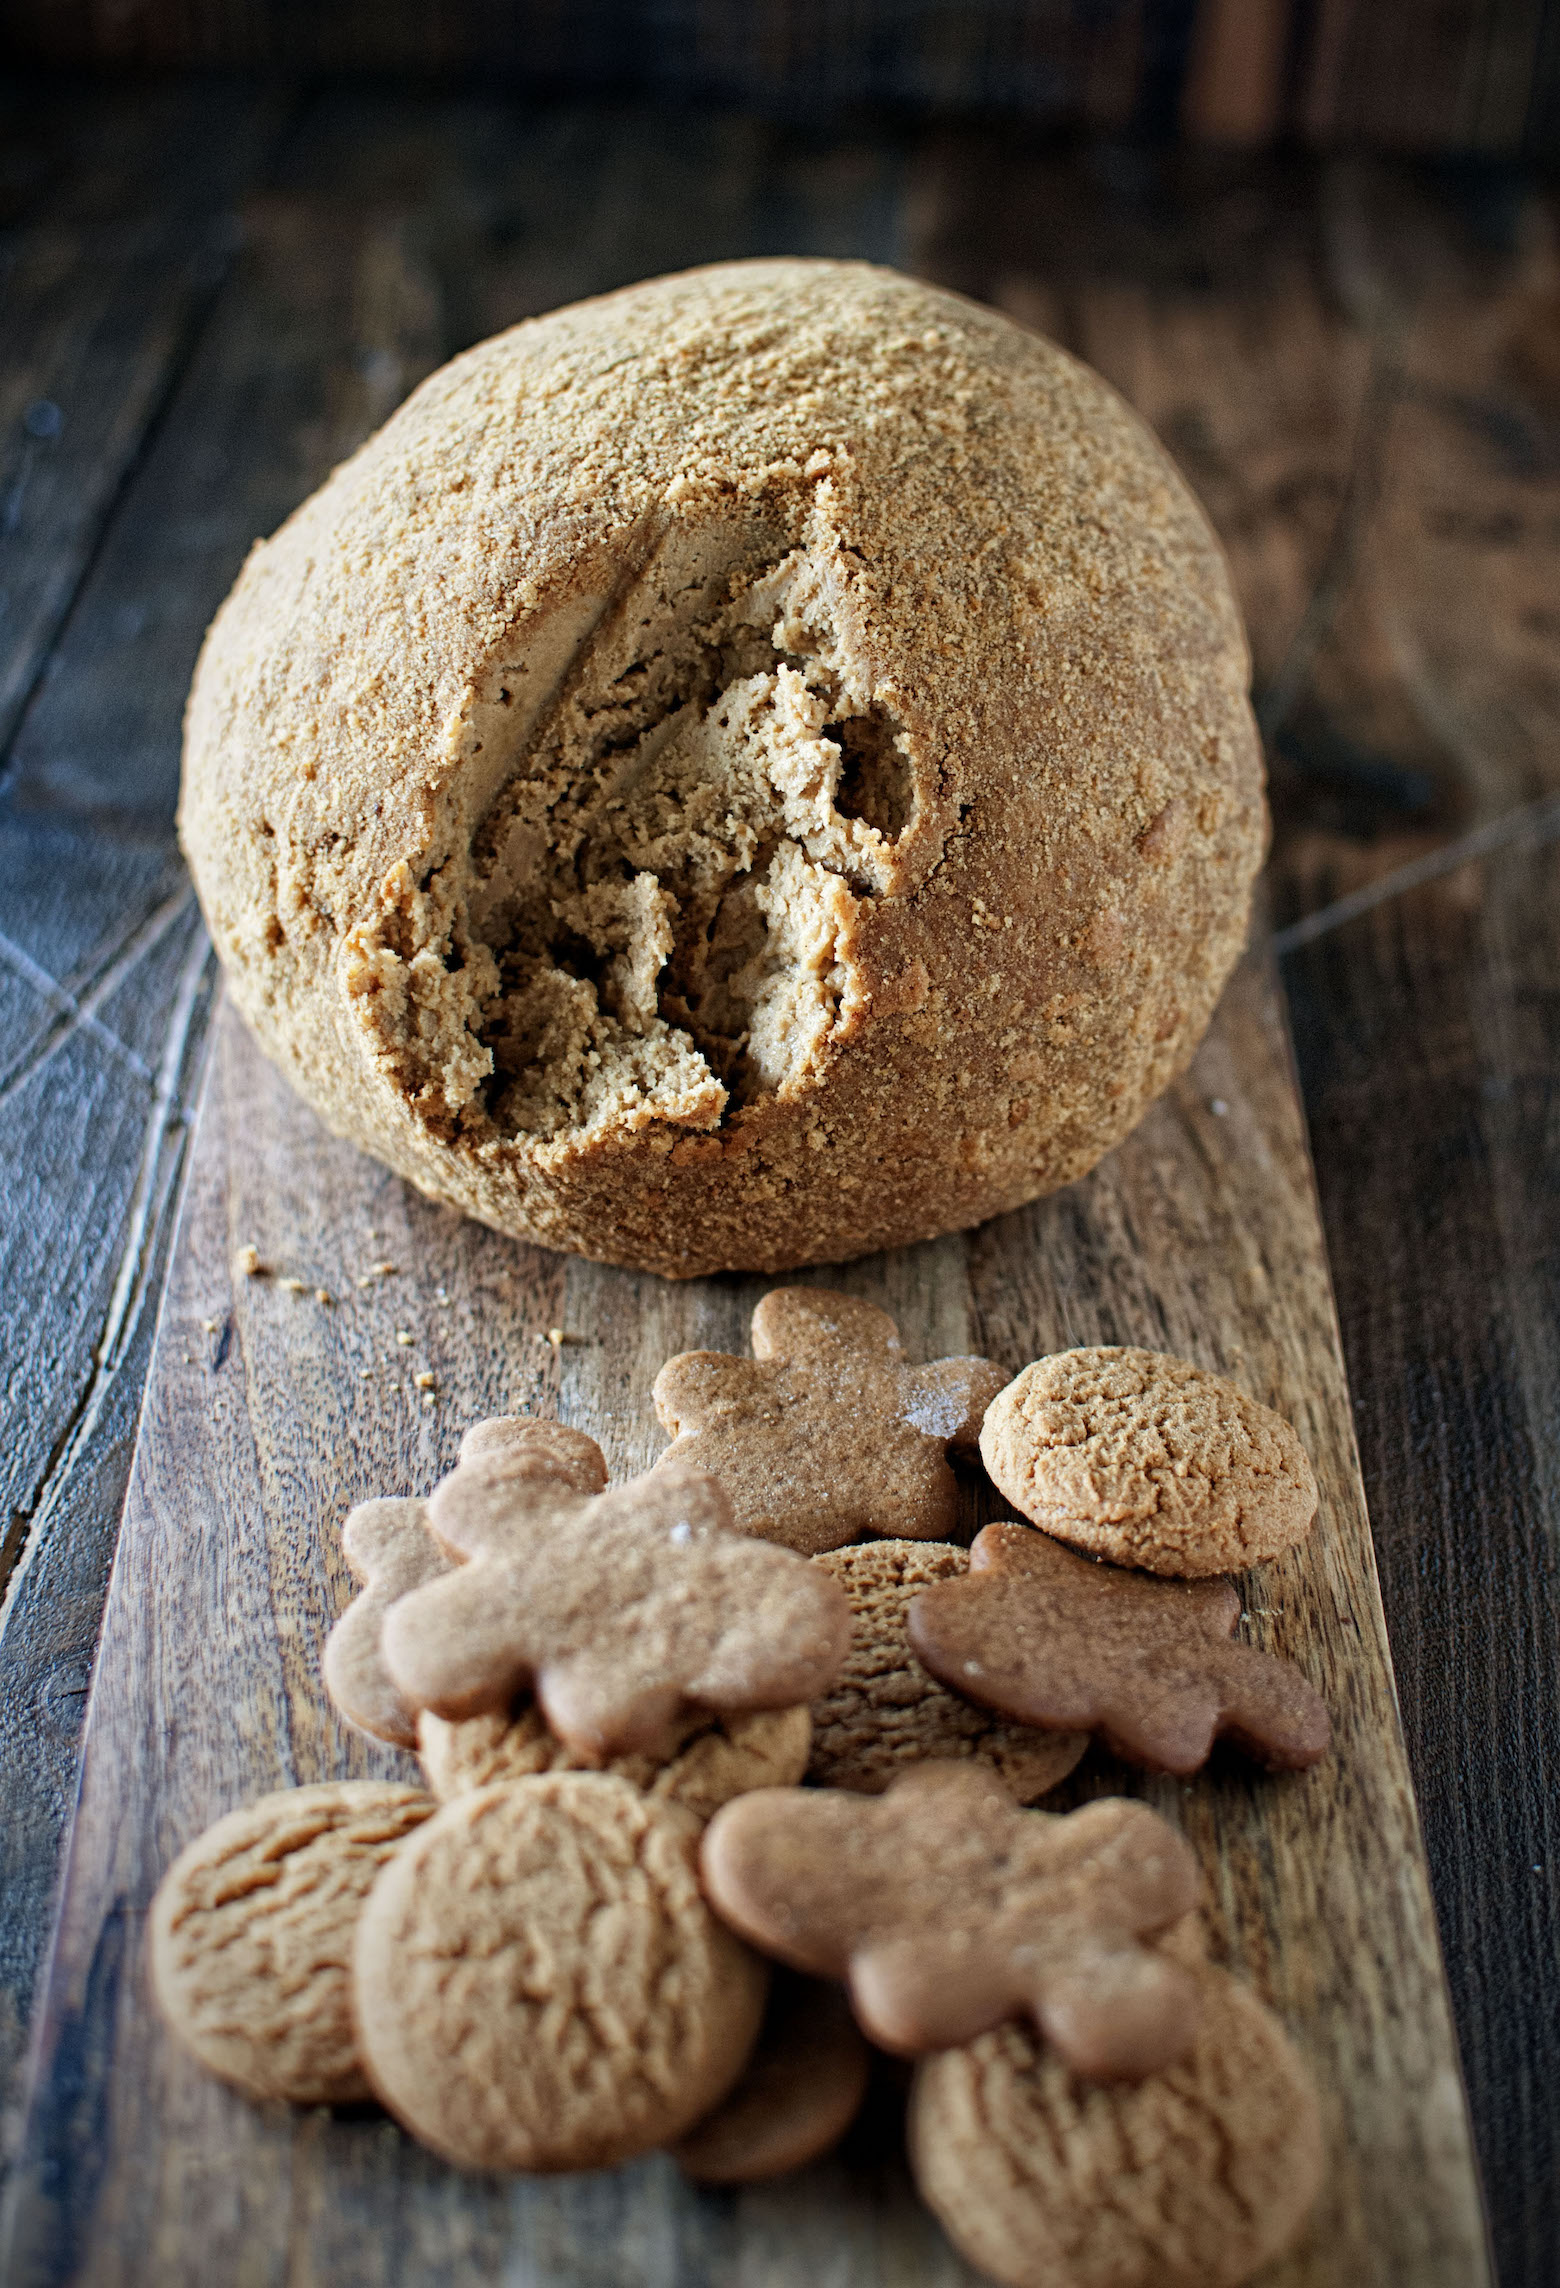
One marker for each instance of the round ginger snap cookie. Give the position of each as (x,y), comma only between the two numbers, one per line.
(884,1712)
(251,1935)
(658,794)
(717,1757)
(542,1986)
(1193,2178)
(798,2094)
(1149,1461)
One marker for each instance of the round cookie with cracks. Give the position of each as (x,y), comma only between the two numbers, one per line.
(252,1929)
(885,1711)
(1192,2178)
(543,1986)
(743,772)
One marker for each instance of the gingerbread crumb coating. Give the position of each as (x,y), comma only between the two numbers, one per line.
(743,772)
(1194,2178)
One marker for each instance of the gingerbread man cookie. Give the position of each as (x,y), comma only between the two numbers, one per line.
(1149,1461)
(827,1433)
(1049,1638)
(1195,2177)
(391,1549)
(948,1910)
(540,1985)
(622,1611)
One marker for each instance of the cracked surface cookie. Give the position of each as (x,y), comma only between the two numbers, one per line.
(541,1985)
(884,1711)
(1193,2178)
(745,771)
(714,1757)
(251,1935)
(1149,1461)
(828,1432)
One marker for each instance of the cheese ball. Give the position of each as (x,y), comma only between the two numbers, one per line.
(743,772)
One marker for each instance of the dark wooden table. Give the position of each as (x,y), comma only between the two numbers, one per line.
(210,293)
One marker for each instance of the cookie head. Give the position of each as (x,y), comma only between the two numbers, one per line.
(621,1611)
(1149,1461)
(948,1911)
(705,737)
(1042,1636)
(828,1433)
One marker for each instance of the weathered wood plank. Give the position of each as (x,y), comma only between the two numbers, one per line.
(103,966)
(268,1414)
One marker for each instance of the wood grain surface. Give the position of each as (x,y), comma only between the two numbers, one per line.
(269,1413)
(219,288)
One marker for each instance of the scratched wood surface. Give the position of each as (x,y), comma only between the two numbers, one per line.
(269,1413)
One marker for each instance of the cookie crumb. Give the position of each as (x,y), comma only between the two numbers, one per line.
(424,1381)
(210,1326)
(247,1263)
(376,1271)
(293,1286)
(323,1295)
(405,1337)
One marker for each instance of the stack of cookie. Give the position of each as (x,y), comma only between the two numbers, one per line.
(617,1918)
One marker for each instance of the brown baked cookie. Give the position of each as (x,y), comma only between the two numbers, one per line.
(714,1759)
(1149,1461)
(391,1550)
(948,1910)
(801,2091)
(1049,1638)
(251,1929)
(622,1611)
(539,1984)
(1193,2178)
(883,1712)
(827,1433)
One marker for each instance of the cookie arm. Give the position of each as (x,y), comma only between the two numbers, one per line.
(949,1399)
(690,1386)
(1272,1711)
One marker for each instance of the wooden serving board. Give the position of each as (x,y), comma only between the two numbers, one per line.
(269,1413)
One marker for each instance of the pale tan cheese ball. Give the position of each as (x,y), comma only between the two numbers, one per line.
(739,773)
